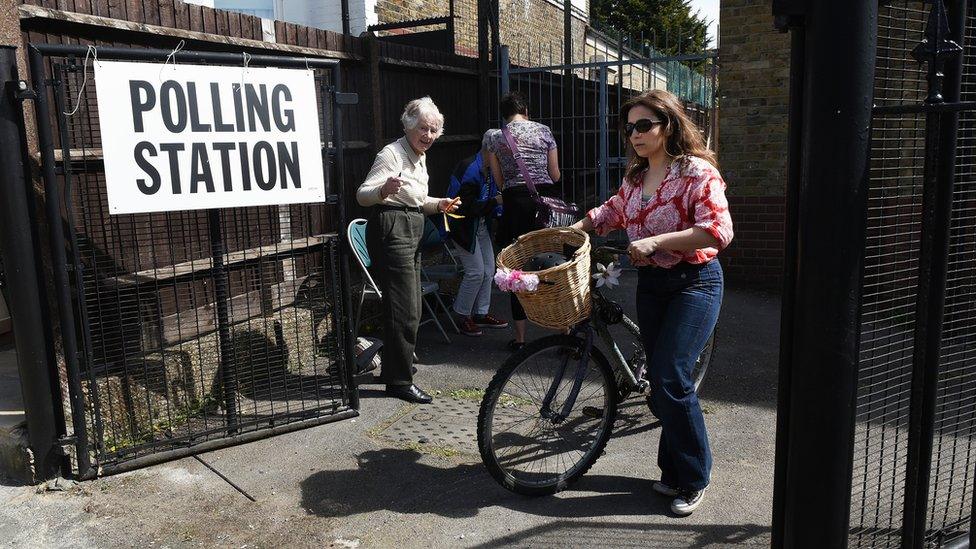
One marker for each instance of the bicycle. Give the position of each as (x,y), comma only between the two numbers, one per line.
(568,419)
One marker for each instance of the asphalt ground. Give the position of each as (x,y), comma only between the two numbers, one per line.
(385,479)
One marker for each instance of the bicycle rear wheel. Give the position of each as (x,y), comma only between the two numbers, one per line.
(528,453)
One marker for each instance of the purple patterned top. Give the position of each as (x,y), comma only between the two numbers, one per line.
(534,141)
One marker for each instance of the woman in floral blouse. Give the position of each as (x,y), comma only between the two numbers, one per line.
(672,205)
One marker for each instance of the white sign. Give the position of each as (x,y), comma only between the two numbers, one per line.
(189,137)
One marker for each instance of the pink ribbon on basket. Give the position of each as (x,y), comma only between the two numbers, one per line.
(508,280)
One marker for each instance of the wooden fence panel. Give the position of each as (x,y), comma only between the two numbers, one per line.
(128,247)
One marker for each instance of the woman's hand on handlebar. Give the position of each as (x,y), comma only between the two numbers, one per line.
(640,251)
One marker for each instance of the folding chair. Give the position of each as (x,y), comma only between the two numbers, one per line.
(450,267)
(356,233)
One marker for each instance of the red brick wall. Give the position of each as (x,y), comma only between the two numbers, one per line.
(754,87)
(755,256)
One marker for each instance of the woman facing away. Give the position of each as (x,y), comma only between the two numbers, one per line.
(672,204)
(471,232)
(537,148)
(396,188)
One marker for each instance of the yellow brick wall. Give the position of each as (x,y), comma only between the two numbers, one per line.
(531,28)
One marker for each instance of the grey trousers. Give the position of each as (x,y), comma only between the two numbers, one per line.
(393,240)
(474,293)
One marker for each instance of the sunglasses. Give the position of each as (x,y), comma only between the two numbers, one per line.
(643,125)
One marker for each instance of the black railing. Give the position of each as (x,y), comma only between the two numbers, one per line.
(907,425)
(188,330)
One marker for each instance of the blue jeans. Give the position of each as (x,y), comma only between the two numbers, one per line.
(677,310)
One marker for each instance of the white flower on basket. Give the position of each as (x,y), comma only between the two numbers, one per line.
(508,280)
(607,274)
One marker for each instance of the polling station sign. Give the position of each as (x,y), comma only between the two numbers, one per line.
(188,137)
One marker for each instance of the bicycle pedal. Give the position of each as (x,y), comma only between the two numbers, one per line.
(592,412)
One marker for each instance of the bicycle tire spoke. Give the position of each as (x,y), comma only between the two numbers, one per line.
(536,451)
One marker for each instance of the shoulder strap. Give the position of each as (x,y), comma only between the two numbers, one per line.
(518,160)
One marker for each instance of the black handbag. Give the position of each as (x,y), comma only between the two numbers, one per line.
(550,211)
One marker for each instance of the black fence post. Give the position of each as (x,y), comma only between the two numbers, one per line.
(793,175)
(349,337)
(24,278)
(503,67)
(228,367)
(933,263)
(59,259)
(815,475)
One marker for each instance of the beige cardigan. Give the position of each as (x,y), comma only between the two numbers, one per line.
(398,159)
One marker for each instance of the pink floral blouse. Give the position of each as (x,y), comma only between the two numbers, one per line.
(691,195)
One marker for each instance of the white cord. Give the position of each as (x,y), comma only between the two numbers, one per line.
(84,82)
(171,57)
(247,59)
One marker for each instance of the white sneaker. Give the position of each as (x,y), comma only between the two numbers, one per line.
(687,502)
(664,489)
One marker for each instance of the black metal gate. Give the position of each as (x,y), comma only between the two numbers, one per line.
(914,437)
(876,426)
(581,103)
(189,330)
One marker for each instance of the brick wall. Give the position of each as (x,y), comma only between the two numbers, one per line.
(523,22)
(754,98)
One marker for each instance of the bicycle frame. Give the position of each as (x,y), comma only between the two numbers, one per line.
(590,326)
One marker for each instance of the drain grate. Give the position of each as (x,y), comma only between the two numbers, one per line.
(447,422)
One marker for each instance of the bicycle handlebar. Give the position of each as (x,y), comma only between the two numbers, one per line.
(612,250)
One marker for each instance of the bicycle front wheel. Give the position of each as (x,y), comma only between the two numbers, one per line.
(525,449)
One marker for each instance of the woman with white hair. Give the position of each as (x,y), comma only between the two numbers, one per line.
(396,188)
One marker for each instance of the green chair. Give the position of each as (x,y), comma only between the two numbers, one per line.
(356,233)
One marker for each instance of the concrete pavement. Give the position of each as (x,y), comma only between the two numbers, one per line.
(364,483)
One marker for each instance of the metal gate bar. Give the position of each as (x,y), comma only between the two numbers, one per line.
(939,177)
(232,432)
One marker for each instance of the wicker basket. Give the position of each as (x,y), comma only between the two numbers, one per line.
(563,296)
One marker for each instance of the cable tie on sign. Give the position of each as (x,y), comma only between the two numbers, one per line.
(84,82)
(171,57)
(247,59)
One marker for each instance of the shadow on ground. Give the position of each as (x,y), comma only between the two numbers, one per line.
(574,533)
(396,480)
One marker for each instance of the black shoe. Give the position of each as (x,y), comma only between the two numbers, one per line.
(410,393)
(687,501)
(515,345)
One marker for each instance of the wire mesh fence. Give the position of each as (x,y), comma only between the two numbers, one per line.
(581,104)
(951,486)
(195,326)
(889,315)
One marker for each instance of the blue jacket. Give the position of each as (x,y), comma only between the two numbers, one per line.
(477,192)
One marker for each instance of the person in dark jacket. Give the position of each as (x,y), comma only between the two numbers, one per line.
(470,229)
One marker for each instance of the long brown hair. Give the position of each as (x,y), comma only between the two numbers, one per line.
(684,139)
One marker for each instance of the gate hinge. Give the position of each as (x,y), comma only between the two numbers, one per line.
(24,92)
(788,14)
(332,199)
(347,98)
